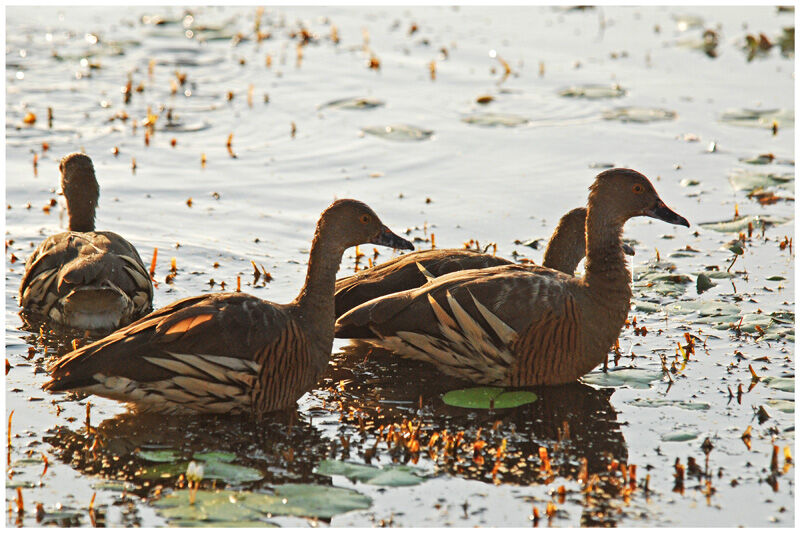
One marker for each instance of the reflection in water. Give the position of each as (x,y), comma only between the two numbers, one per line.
(377,409)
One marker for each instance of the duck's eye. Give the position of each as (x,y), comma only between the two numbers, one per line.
(365,219)
(638,189)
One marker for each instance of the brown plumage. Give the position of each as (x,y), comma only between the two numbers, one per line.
(565,249)
(228,352)
(83,278)
(515,325)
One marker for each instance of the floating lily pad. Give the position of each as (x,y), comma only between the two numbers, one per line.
(746,180)
(593,91)
(766,159)
(354,103)
(488,397)
(159,456)
(775,278)
(399,132)
(686,21)
(758,118)
(636,378)
(679,436)
(783,384)
(184,127)
(639,115)
(390,476)
(663,402)
(686,182)
(225,457)
(110,484)
(19,483)
(748,323)
(495,119)
(227,506)
(227,472)
(645,307)
(784,406)
(741,223)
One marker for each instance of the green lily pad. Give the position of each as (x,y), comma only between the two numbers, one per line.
(399,132)
(704,283)
(488,397)
(782,384)
(390,476)
(159,456)
(354,103)
(19,483)
(758,118)
(679,436)
(766,159)
(662,402)
(645,307)
(226,506)
(225,457)
(741,223)
(640,115)
(775,278)
(720,274)
(229,473)
(784,406)
(748,323)
(495,119)
(593,91)
(636,378)
(746,180)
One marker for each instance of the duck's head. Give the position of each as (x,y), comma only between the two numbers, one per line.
(80,189)
(350,222)
(624,193)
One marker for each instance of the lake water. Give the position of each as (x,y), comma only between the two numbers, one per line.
(572,91)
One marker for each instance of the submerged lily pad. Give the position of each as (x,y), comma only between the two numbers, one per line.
(495,119)
(399,132)
(354,103)
(741,223)
(636,378)
(488,397)
(663,402)
(758,118)
(226,506)
(159,456)
(679,436)
(746,180)
(783,384)
(593,91)
(390,476)
(784,406)
(639,115)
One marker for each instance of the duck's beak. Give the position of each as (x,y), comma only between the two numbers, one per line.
(662,212)
(386,238)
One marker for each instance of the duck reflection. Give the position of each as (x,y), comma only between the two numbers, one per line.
(572,422)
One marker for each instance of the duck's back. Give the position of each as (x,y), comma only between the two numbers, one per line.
(402,273)
(88,280)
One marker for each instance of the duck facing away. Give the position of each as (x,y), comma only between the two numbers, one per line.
(565,249)
(82,278)
(514,325)
(228,352)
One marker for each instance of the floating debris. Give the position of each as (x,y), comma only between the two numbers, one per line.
(593,92)
(495,119)
(399,132)
(640,115)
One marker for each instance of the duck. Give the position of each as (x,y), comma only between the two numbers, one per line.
(82,278)
(512,325)
(228,352)
(565,250)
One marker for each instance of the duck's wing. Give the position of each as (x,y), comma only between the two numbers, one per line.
(467,323)
(206,353)
(72,260)
(403,273)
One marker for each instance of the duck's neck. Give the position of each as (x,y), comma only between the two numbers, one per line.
(315,302)
(80,219)
(607,274)
(563,251)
